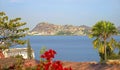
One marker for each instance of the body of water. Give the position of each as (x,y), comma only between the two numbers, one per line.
(68,48)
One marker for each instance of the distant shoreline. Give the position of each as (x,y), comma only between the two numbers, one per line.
(55,35)
(62,35)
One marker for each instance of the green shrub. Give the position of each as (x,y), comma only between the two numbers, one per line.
(19,56)
(114,56)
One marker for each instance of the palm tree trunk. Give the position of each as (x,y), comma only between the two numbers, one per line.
(105,55)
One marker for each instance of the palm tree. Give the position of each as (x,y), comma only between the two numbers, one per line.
(103,31)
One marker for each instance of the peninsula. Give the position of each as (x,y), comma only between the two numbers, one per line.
(45,28)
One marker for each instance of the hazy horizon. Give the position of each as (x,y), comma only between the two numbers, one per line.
(62,12)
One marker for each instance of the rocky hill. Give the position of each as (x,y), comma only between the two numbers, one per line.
(45,28)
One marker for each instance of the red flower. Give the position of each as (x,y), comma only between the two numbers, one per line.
(51,65)
(48,55)
(42,56)
(57,65)
(47,65)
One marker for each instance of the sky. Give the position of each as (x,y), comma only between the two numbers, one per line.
(61,12)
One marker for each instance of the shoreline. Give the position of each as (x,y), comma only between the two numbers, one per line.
(64,35)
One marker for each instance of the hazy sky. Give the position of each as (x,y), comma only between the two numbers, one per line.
(75,12)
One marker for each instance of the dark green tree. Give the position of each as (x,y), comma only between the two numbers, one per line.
(29,50)
(103,31)
(11,31)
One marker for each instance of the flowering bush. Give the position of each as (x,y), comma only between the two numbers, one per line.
(48,55)
(48,63)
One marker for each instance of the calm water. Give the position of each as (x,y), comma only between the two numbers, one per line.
(68,48)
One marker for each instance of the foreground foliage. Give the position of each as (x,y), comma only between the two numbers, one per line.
(11,31)
(48,64)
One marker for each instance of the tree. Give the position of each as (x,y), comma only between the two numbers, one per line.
(29,50)
(103,31)
(11,31)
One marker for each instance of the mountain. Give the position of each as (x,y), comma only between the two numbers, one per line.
(86,27)
(45,28)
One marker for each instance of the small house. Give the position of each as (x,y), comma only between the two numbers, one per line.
(12,52)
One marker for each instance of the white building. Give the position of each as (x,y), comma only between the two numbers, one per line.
(17,51)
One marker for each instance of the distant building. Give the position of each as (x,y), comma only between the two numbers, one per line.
(17,51)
